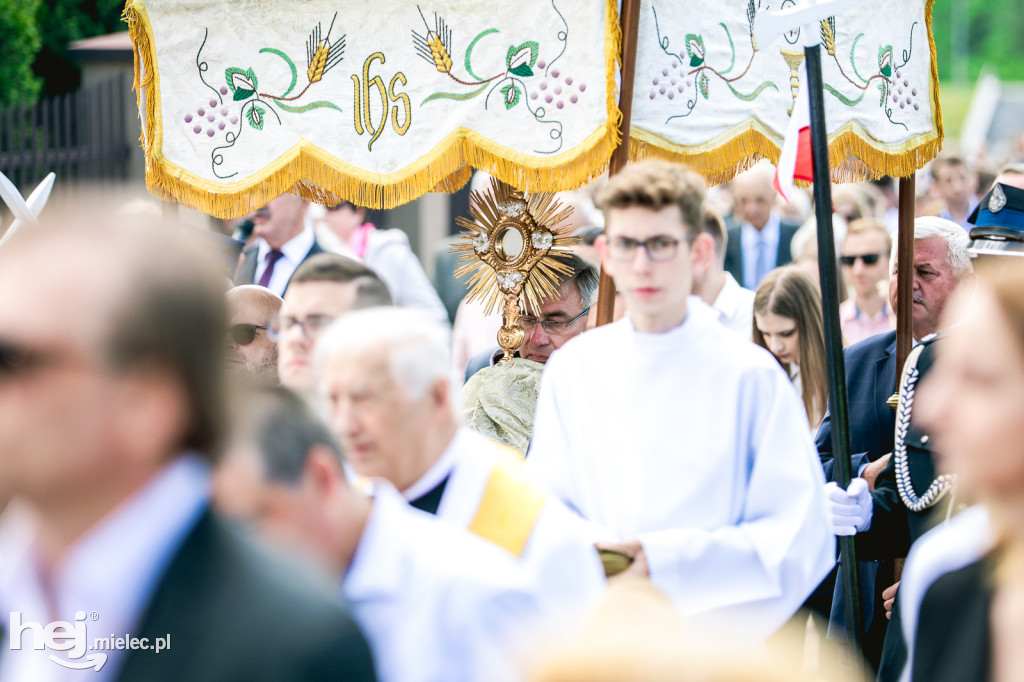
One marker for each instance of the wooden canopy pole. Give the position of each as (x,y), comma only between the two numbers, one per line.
(905,274)
(630,25)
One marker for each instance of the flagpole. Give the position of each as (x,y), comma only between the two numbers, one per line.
(630,26)
(833,335)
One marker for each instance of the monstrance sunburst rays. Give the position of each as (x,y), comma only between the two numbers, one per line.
(513,247)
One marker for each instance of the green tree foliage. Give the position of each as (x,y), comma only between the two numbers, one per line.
(993,37)
(62,22)
(18,85)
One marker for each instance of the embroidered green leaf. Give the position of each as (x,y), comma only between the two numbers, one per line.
(291,66)
(237,79)
(756,93)
(732,49)
(469,51)
(455,96)
(243,94)
(885,60)
(695,48)
(255,116)
(704,84)
(523,70)
(522,54)
(308,107)
(511,94)
(841,97)
(853,60)
(884,91)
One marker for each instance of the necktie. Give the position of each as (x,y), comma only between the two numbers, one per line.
(272,257)
(762,260)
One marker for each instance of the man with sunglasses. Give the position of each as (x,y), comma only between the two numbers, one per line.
(250,352)
(684,440)
(865,261)
(556,321)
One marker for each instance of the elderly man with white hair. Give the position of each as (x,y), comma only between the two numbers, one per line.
(941,263)
(385,377)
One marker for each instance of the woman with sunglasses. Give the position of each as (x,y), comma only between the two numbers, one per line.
(864,257)
(788,322)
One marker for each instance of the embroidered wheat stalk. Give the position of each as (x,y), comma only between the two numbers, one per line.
(828,35)
(316,65)
(439,52)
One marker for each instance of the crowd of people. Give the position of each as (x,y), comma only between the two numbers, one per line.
(285,476)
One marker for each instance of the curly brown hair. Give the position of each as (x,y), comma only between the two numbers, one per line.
(657,185)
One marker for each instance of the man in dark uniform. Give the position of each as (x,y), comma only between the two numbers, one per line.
(940,263)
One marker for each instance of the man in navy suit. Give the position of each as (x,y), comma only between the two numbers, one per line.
(761,241)
(941,262)
(283,242)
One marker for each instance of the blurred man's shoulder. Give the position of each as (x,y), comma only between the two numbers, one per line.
(230,607)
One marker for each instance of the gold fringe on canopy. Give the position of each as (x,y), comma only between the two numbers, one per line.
(854,156)
(323,178)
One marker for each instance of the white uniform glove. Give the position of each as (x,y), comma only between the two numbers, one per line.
(849,511)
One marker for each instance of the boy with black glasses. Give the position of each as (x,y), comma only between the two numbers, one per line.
(685,441)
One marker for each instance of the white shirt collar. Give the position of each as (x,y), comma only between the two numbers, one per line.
(727,302)
(438,471)
(294,250)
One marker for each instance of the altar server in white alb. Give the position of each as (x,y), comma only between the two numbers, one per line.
(385,375)
(683,439)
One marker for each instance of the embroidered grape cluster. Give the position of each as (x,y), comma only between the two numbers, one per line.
(670,82)
(558,88)
(903,94)
(211,117)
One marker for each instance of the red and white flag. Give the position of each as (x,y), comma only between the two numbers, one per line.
(795,159)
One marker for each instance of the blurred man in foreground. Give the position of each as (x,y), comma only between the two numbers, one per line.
(111,411)
(436,603)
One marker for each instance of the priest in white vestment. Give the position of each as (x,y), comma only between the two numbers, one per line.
(391,402)
(684,440)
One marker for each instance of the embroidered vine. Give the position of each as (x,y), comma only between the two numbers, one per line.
(525,78)
(254,105)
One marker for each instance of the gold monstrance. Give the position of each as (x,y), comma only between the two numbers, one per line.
(514,251)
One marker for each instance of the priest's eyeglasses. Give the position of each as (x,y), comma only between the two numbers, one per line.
(657,248)
(553,327)
(311,326)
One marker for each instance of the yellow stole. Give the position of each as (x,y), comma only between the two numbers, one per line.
(510,504)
